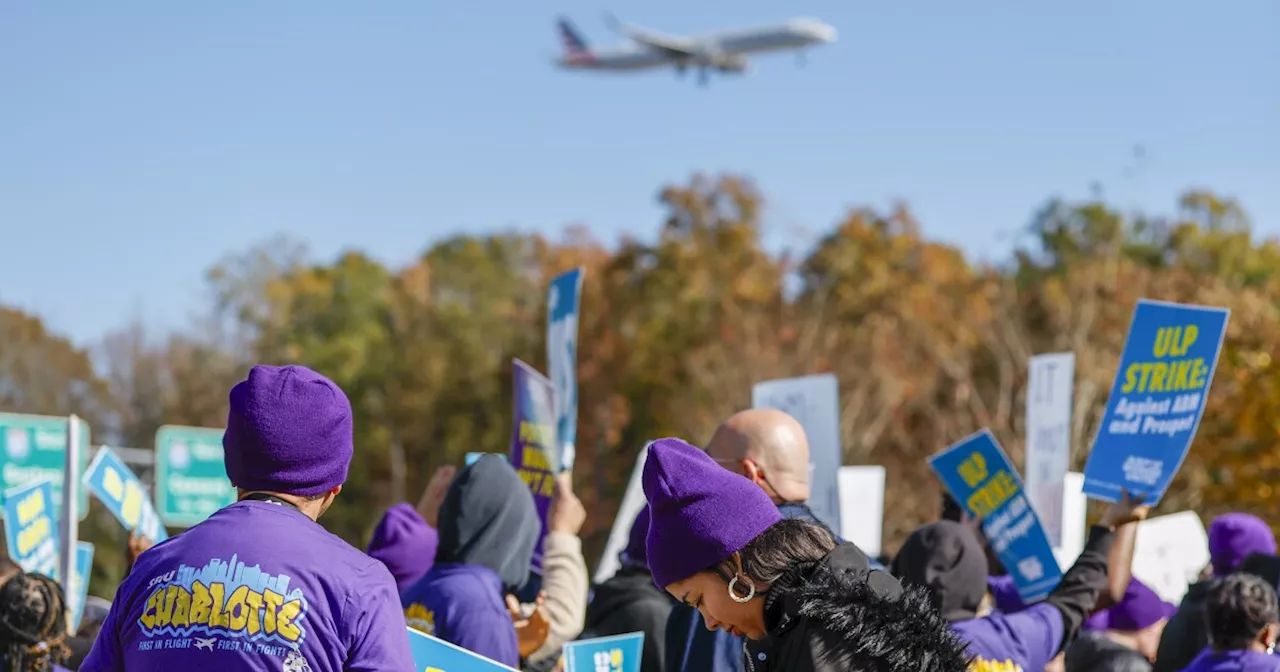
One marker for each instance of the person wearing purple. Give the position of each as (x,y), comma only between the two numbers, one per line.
(1123,637)
(805,603)
(947,558)
(1243,617)
(260,585)
(1232,538)
(405,543)
(488,529)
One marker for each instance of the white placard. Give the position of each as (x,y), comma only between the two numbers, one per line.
(814,401)
(1170,553)
(632,502)
(1049,438)
(1075,509)
(862,507)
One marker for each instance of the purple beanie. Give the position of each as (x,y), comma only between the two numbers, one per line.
(405,543)
(1234,537)
(635,540)
(699,512)
(288,431)
(1139,609)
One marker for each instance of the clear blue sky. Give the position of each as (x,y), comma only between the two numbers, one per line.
(142,141)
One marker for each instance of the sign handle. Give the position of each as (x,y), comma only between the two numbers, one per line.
(69,525)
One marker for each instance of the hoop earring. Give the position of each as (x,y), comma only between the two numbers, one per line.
(733,593)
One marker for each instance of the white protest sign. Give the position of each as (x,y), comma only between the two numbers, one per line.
(1049,437)
(814,402)
(1170,553)
(632,502)
(862,507)
(1075,508)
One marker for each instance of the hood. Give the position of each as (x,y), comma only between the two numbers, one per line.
(947,559)
(862,606)
(405,543)
(488,519)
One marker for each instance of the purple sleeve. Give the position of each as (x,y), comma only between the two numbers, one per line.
(483,633)
(1038,630)
(106,656)
(377,640)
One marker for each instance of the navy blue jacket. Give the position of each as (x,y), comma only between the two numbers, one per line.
(693,648)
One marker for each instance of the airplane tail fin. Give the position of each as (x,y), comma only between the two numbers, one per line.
(575,48)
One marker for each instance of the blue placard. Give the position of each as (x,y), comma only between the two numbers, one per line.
(472,457)
(78,591)
(563,297)
(979,475)
(619,653)
(115,485)
(1156,401)
(30,528)
(436,655)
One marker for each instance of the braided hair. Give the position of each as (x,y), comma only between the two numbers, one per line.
(33,624)
(1239,607)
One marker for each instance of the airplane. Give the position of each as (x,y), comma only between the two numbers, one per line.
(724,51)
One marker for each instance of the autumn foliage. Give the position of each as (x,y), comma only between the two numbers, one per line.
(928,346)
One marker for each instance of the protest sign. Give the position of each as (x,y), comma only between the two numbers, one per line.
(436,655)
(862,506)
(632,501)
(814,402)
(1156,401)
(31,528)
(1169,553)
(563,297)
(78,591)
(191,476)
(533,441)
(618,653)
(471,458)
(1049,381)
(118,488)
(980,477)
(34,449)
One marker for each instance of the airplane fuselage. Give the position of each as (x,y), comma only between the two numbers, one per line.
(724,50)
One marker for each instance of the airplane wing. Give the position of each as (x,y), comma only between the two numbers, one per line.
(676,47)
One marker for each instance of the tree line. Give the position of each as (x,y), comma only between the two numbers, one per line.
(927,344)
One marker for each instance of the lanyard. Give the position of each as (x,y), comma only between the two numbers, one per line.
(265,497)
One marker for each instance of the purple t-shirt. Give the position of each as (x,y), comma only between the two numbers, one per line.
(1234,661)
(463,605)
(258,586)
(1022,641)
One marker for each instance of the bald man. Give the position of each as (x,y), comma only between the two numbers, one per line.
(770,449)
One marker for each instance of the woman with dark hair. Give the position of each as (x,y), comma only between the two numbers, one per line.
(717,543)
(1243,619)
(33,624)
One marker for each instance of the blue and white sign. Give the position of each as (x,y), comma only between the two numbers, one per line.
(980,476)
(78,591)
(116,486)
(619,653)
(471,458)
(563,297)
(436,655)
(1157,400)
(31,528)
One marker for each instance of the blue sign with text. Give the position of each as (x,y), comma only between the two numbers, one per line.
(619,653)
(563,297)
(31,528)
(436,655)
(980,476)
(1156,401)
(115,485)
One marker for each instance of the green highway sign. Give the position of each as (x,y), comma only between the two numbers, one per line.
(191,479)
(33,448)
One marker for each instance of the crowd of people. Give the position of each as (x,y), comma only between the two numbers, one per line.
(725,570)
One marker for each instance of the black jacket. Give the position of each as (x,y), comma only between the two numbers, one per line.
(839,615)
(1095,652)
(630,602)
(1184,635)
